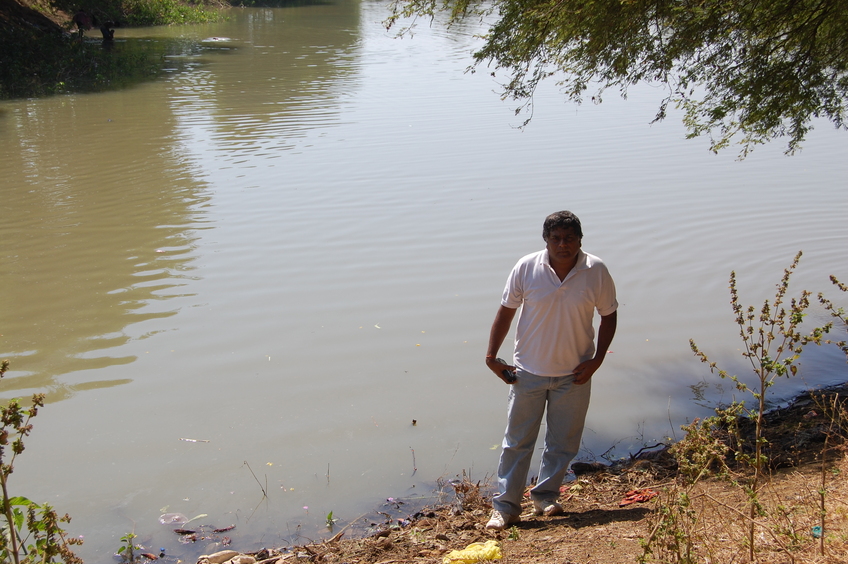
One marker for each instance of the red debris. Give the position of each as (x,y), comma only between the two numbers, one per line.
(638,496)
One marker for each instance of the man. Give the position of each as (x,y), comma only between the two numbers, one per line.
(558,289)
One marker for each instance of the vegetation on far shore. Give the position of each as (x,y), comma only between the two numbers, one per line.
(44,51)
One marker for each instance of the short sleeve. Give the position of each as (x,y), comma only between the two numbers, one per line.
(513,294)
(607,302)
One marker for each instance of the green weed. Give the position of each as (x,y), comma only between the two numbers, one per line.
(772,344)
(772,341)
(127,548)
(29,533)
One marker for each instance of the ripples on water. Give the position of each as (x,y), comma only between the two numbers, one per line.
(293,245)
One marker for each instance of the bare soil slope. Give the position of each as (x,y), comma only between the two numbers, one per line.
(17,15)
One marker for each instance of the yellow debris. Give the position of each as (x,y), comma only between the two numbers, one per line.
(475,552)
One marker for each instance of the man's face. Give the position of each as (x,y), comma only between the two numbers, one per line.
(563,244)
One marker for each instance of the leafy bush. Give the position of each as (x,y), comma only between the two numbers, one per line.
(165,12)
(144,12)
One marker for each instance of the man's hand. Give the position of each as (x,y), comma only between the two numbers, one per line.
(584,370)
(498,367)
(500,327)
(606,331)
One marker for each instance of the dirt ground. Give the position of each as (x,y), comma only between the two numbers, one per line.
(595,529)
(22,15)
(707,522)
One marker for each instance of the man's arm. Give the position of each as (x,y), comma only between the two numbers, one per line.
(500,328)
(606,332)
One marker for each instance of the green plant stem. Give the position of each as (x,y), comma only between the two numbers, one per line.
(6,469)
(822,493)
(7,510)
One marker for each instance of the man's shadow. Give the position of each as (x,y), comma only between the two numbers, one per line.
(588,518)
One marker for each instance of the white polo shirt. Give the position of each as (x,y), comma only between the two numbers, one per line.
(554,332)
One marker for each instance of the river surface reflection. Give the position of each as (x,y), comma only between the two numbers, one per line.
(292,245)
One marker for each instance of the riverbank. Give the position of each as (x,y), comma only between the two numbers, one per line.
(48,49)
(605,523)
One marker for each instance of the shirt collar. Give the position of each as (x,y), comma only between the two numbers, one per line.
(581,264)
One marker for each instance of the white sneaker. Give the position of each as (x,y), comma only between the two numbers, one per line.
(500,521)
(548,508)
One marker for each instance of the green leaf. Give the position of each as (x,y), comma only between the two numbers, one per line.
(18,516)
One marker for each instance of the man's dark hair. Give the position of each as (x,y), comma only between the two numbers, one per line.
(562,219)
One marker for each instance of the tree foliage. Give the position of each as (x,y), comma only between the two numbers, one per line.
(742,70)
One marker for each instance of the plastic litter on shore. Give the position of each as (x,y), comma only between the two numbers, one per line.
(475,552)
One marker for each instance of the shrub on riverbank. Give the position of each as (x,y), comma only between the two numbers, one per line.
(141,13)
(167,12)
